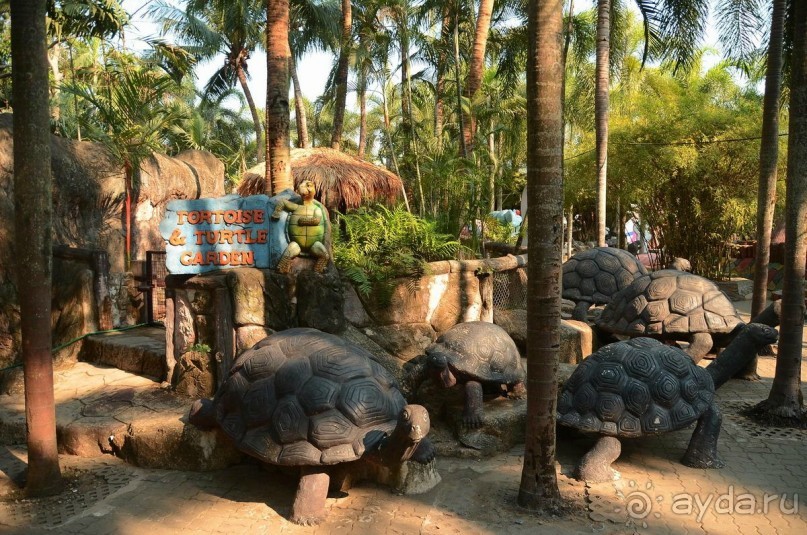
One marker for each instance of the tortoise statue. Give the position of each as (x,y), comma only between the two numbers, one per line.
(306,227)
(476,353)
(642,387)
(302,397)
(593,276)
(681,264)
(673,305)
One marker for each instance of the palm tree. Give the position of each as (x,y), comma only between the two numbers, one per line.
(341,73)
(768,160)
(216,127)
(476,67)
(32,228)
(601,110)
(370,51)
(278,56)
(539,485)
(211,28)
(442,68)
(785,396)
(311,27)
(130,118)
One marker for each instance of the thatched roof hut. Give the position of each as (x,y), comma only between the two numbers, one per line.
(343,182)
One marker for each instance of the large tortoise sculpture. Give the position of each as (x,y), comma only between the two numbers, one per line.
(302,397)
(593,276)
(476,353)
(673,305)
(642,387)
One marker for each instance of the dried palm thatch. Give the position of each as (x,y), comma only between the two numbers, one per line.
(343,182)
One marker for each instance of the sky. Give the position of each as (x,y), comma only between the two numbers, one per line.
(312,70)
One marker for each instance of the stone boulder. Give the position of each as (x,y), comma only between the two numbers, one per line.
(404,341)
(503,424)
(442,299)
(576,341)
(320,300)
(576,337)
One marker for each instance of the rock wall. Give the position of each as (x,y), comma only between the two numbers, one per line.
(211,318)
(88,192)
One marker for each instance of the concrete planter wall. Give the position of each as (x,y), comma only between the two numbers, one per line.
(226,312)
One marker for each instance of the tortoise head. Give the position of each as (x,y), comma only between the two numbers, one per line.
(412,427)
(748,340)
(437,362)
(414,419)
(307,190)
(203,415)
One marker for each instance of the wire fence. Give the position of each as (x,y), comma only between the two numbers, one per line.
(510,289)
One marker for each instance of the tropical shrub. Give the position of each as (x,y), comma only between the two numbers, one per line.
(376,245)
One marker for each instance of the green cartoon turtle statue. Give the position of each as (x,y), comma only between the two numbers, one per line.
(306,227)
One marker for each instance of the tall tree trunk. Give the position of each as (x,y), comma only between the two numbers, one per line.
(33,209)
(570,233)
(785,396)
(341,76)
(75,98)
(768,160)
(463,145)
(387,128)
(406,87)
(278,54)
(440,83)
(476,68)
(494,171)
(253,109)
(299,108)
(601,110)
(362,94)
(54,54)
(128,181)
(539,485)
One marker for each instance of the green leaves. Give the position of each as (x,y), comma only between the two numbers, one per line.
(128,114)
(85,18)
(684,152)
(377,245)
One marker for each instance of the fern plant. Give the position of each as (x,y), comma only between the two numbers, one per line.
(375,246)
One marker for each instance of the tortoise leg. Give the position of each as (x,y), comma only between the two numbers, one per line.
(699,345)
(322,256)
(341,478)
(749,373)
(517,390)
(580,312)
(702,450)
(472,415)
(425,452)
(595,466)
(309,502)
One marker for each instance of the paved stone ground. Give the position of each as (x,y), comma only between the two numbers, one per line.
(762,490)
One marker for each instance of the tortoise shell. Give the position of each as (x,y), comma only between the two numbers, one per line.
(307,225)
(595,275)
(667,303)
(482,351)
(634,388)
(305,397)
